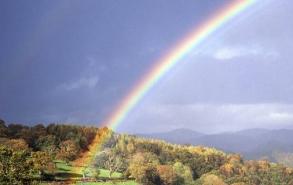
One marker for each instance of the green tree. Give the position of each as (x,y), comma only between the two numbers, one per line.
(47,143)
(183,172)
(42,162)
(15,168)
(143,168)
(210,179)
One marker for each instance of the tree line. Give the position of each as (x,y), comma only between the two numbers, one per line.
(29,150)
(155,162)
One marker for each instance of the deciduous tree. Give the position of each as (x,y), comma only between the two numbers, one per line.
(15,168)
(68,150)
(167,175)
(42,162)
(143,168)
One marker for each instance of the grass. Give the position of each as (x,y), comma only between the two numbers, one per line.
(105,173)
(109,183)
(63,168)
(65,171)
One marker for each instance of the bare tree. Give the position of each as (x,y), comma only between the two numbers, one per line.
(111,161)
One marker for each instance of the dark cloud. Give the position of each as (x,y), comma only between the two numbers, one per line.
(73,61)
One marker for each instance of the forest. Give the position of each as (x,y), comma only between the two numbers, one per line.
(42,154)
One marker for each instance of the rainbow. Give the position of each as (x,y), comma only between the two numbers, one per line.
(164,64)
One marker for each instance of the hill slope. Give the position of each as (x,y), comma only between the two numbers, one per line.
(252,143)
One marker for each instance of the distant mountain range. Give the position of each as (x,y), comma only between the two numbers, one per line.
(252,143)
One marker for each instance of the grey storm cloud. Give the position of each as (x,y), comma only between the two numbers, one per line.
(83,58)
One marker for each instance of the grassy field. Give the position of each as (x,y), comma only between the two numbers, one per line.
(109,183)
(66,171)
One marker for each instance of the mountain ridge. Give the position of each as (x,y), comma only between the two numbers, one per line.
(256,143)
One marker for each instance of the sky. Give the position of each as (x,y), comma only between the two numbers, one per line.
(74,61)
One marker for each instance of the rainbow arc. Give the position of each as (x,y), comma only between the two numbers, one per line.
(163,65)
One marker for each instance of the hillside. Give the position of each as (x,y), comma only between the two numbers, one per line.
(252,143)
(55,154)
(152,161)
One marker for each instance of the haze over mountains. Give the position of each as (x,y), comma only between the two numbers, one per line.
(252,143)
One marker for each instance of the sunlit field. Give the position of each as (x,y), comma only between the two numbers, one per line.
(66,171)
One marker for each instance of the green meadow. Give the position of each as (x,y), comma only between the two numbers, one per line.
(66,171)
(109,183)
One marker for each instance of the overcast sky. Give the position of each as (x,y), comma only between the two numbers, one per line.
(73,61)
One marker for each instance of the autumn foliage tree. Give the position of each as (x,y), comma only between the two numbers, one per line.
(167,175)
(42,162)
(68,151)
(150,162)
(143,168)
(15,166)
(17,144)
